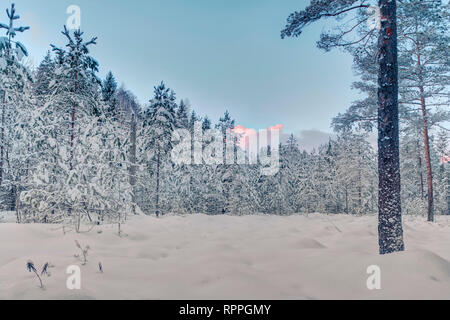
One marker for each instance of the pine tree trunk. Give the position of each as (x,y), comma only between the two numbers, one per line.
(133,163)
(346,200)
(426,140)
(419,163)
(389,204)
(427,158)
(359,182)
(157,182)
(2,151)
(72,135)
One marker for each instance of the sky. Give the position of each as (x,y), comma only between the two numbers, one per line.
(221,55)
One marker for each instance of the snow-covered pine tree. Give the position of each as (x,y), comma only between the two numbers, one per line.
(182,115)
(156,135)
(412,169)
(226,171)
(424,70)
(389,206)
(71,136)
(131,115)
(210,194)
(44,75)
(355,172)
(77,73)
(423,75)
(291,157)
(19,142)
(12,79)
(109,90)
(443,170)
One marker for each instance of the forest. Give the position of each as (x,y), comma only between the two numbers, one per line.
(106,196)
(78,149)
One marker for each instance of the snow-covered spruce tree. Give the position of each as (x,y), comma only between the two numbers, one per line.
(19,157)
(43,76)
(226,171)
(211,201)
(389,202)
(355,172)
(14,79)
(77,82)
(113,172)
(156,137)
(443,173)
(109,89)
(118,128)
(131,117)
(182,115)
(272,188)
(181,181)
(323,178)
(71,138)
(413,169)
(440,182)
(329,153)
(291,157)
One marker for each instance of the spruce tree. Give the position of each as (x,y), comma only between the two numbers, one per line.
(158,126)
(109,89)
(11,52)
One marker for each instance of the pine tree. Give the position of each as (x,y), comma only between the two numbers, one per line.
(109,89)
(206,123)
(226,170)
(80,155)
(76,61)
(44,76)
(390,223)
(182,115)
(423,75)
(127,102)
(158,126)
(412,169)
(355,172)
(424,67)
(11,73)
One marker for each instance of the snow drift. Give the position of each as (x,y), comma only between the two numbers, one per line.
(229,257)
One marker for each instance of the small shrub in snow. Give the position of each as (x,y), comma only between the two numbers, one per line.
(31,268)
(84,252)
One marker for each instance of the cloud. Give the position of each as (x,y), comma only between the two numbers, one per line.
(311,139)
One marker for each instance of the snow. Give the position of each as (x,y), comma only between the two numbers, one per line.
(229,257)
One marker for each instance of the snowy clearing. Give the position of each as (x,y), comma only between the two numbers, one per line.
(229,257)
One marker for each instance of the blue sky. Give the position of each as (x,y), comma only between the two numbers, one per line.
(218,54)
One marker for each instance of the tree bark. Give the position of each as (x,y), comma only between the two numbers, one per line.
(426,140)
(389,203)
(72,124)
(427,158)
(157,182)
(133,163)
(2,151)
(419,164)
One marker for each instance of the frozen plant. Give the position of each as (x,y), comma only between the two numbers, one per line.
(84,252)
(32,268)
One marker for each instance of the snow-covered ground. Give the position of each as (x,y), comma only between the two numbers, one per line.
(228,257)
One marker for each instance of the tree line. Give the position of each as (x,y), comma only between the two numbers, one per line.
(76,148)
